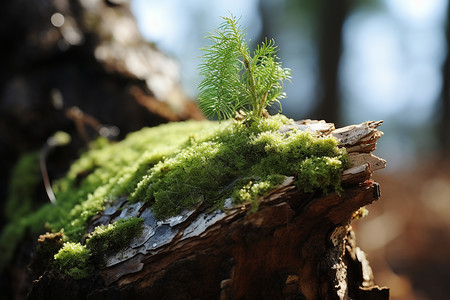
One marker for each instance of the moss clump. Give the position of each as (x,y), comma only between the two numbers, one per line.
(174,167)
(241,161)
(106,240)
(75,260)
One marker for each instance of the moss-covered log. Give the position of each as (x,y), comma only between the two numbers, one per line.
(296,245)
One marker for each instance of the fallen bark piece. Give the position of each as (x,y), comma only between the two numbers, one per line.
(356,134)
(359,159)
(296,245)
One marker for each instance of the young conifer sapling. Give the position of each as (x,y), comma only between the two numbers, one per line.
(236,82)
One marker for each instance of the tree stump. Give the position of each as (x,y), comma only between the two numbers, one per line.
(295,246)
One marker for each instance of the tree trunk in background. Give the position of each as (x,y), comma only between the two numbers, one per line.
(73,66)
(332,15)
(444,133)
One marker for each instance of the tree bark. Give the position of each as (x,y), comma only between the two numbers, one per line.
(295,246)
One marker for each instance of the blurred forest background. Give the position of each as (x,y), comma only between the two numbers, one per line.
(351,61)
(354,61)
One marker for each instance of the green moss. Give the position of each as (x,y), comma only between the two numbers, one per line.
(25,182)
(75,260)
(258,156)
(174,167)
(106,240)
(78,260)
(251,190)
(113,170)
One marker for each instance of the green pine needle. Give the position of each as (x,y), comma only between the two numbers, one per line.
(233,80)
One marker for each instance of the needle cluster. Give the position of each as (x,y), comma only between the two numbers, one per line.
(234,81)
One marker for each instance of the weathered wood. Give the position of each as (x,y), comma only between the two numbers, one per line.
(295,246)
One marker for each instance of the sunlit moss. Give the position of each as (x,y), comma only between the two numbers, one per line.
(176,166)
(254,189)
(74,260)
(113,170)
(243,162)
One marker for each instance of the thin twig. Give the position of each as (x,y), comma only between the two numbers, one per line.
(58,139)
(42,163)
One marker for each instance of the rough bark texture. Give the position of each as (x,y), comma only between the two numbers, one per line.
(295,246)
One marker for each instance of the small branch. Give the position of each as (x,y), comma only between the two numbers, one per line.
(262,104)
(58,139)
(42,164)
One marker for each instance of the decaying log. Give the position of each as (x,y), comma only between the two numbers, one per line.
(295,246)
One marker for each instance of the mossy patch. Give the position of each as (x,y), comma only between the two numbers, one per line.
(242,162)
(174,167)
(74,260)
(107,239)
(112,170)
(77,260)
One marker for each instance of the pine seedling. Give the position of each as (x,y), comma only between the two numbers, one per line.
(234,81)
